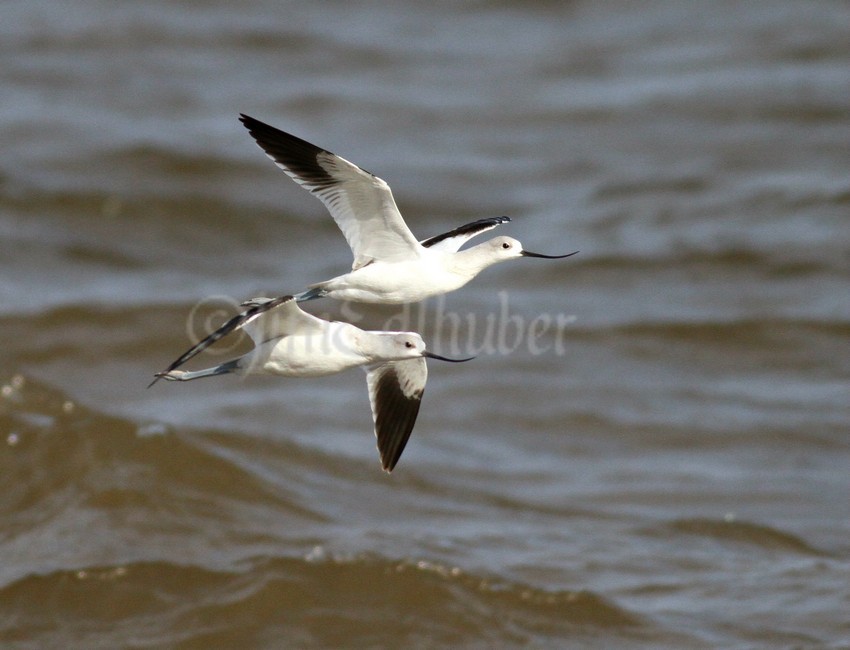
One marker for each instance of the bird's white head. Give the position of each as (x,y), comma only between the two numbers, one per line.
(397,346)
(405,345)
(505,248)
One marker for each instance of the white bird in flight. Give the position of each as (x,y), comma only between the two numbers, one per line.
(390,265)
(293,343)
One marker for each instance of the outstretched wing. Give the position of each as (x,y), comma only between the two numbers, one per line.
(283,318)
(361,203)
(261,321)
(395,393)
(450,242)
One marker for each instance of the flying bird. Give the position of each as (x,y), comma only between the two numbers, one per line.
(290,342)
(390,265)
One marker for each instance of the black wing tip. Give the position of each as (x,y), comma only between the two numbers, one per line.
(391,456)
(396,418)
(254,125)
(248,121)
(295,155)
(259,129)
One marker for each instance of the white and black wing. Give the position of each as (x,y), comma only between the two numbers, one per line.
(395,392)
(261,321)
(283,318)
(450,242)
(361,203)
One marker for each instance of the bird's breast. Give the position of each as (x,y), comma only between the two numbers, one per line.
(399,282)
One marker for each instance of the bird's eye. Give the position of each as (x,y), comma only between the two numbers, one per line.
(506,245)
(408,344)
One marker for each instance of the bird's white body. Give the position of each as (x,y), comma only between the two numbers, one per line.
(390,265)
(339,347)
(431,273)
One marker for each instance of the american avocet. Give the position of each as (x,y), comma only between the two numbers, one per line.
(291,342)
(390,265)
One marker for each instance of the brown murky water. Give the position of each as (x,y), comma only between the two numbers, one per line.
(660,461)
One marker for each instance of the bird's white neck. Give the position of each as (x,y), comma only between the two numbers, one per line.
(471,261)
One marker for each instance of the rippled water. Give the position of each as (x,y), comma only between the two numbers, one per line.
(664,464)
